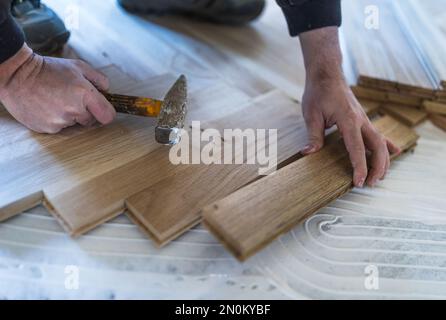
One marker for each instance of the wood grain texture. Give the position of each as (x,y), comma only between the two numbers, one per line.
(386,96)
(370,107)
(250,218)
(407,115)
(383,58)
(54,168)
(262,50)
(434,107)
(438,120)
(166,46)
(171,206)
(244,77)
(85,176)
(89,178)
(62,165)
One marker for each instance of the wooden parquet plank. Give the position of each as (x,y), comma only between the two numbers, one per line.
(250,218)
(370,107)
(167,209)
(267,53)
(408,115)
(70,170)
(435,107)
(385,96)
(438,120)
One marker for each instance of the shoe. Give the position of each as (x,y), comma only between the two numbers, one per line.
(219,11)
(44,31)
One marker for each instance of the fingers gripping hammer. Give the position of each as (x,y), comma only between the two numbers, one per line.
(170,112)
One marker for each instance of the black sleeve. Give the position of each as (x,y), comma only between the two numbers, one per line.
(306,15)
(11,36)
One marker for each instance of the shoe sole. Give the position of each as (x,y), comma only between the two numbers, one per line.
(198,16)
(52,45)
(136,10)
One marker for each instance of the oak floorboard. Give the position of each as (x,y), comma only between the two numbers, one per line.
(172,206)
(434,107)
(438,120)
(65,162)
(252,217)
(386,96)
(70,173)
(262,49)
(246,77)
(370,107)
(408,115)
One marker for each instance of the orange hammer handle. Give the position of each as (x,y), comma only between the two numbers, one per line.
(138,106)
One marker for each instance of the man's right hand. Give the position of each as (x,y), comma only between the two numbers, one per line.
(48,94)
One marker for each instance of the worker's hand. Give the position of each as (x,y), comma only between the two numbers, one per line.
(328,101)
(48,94)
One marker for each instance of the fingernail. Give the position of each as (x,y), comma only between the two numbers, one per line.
(308,149)
(361,183)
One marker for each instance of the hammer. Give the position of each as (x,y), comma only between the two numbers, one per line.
(171,112)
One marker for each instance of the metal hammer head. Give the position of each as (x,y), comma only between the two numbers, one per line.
(172,114)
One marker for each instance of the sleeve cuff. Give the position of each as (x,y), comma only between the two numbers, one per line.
(312,14)
(11,39)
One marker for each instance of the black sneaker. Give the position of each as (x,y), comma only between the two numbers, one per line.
(219,11)
(44,31)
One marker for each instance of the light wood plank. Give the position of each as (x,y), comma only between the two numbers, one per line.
(268,53)
(370,107)
(171,207)
(435,107)
(250,218)
(83,192)
(167,209)
(155,46)
(87,176)
(438,120)
(219,60)
(408,115)
(73,160)
(385,96)
(50,167)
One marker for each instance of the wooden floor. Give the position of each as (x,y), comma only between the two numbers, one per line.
(239,77)
(251,218)
(252,60)
(398,226)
